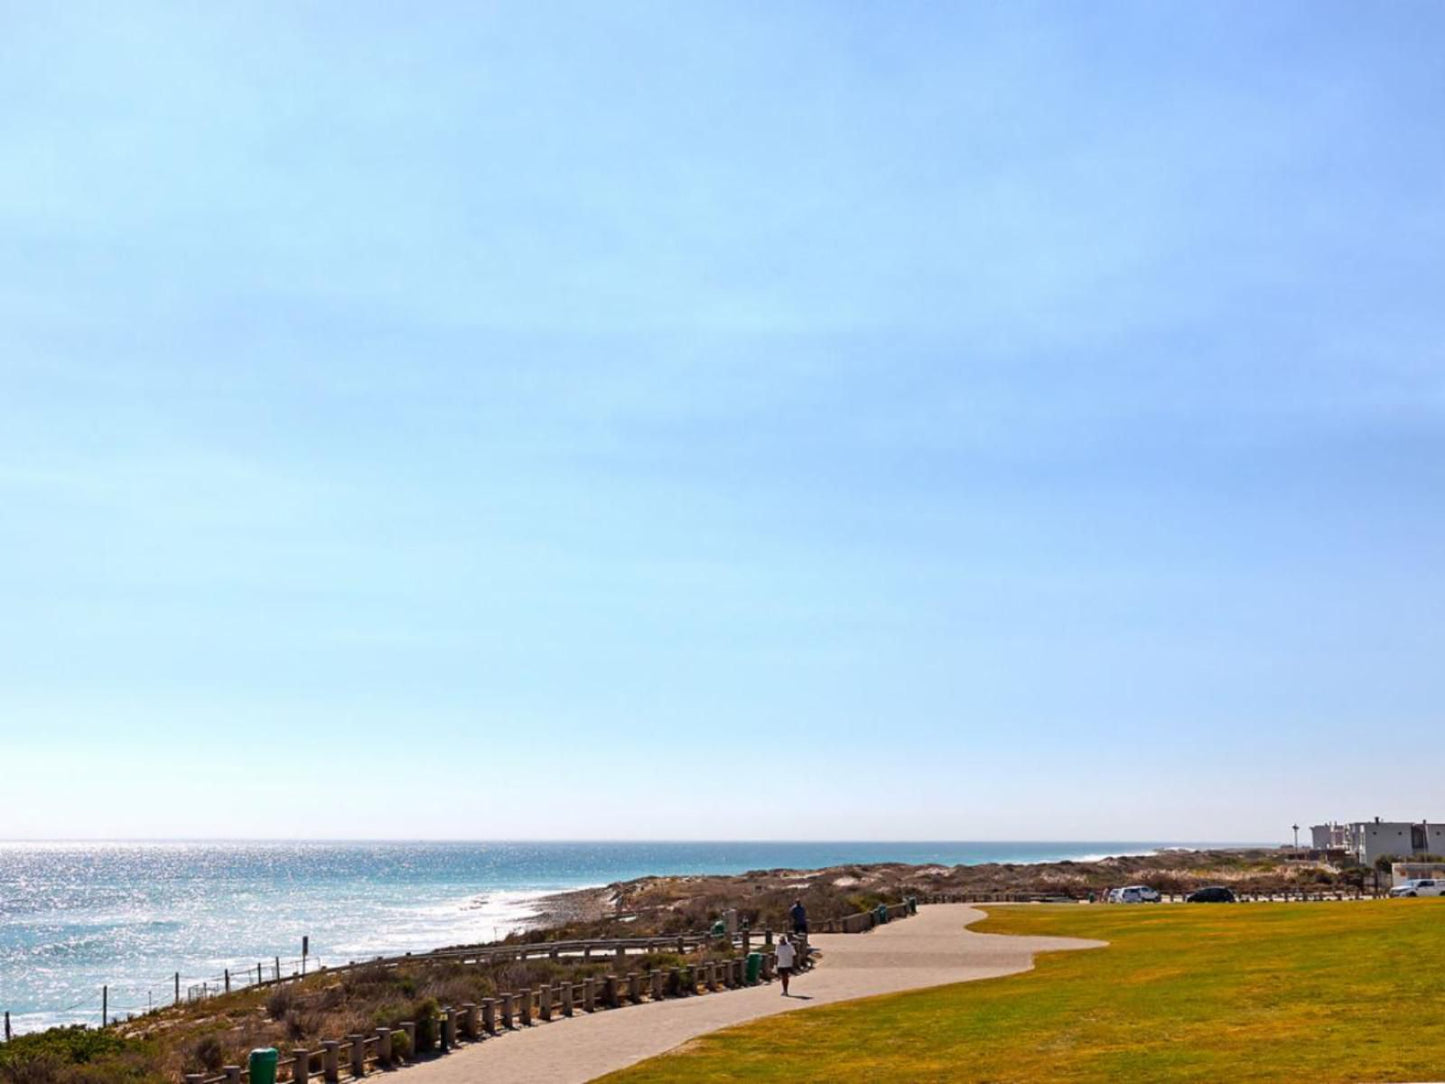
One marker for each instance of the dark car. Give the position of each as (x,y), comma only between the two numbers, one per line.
(1214,894)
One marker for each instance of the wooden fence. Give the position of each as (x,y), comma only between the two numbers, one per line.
(356,1055)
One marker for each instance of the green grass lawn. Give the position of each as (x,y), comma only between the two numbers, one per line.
(1288,992)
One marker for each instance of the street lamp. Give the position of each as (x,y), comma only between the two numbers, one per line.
(1296,838)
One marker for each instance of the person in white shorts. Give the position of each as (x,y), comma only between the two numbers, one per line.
(787,957)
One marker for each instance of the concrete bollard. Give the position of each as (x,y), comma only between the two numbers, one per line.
(634,987)
(301,1067)
(508,1012)
(358,1055)
(383,1047)
(544,998)
(330,1063)
(589,994)
(489,1015)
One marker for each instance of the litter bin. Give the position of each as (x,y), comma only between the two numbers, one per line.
(719,928)
(262,1065)
(881,913)
(913,905)
(755,968)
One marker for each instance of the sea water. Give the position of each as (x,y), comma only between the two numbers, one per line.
(131,916)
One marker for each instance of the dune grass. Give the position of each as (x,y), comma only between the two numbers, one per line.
(1269,992)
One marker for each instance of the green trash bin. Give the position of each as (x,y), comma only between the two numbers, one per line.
(881,913)
(262,1065)
(755,968)
(913,905)
(719,928)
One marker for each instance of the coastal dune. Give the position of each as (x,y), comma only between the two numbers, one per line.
(934,948)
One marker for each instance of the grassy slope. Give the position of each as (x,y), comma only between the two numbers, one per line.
(1323,992)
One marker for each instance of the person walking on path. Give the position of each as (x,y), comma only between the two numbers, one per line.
(787,958)
(799,914)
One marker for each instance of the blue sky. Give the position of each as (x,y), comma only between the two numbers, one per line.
(543,420)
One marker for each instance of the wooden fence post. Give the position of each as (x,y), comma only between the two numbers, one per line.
(233,1074)
(589,994)
(301,1066)
(489,1015)
(330,1063)
(383,1047)
(178,988)
(469,1021)
(544,1000)
(507,1014)
(358,1055)
(567,991)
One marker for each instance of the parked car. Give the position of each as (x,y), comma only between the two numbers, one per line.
(1134,894)
(1212,894)
(1419,886)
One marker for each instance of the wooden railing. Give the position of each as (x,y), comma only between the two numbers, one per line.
(355,1056)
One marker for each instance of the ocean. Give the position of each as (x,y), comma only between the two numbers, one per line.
(78,916)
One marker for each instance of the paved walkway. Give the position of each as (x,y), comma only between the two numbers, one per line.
(930,949)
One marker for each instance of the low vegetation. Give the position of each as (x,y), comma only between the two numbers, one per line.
(204,1037)
(1281,992)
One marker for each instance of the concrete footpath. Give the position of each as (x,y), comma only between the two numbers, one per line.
(931,949)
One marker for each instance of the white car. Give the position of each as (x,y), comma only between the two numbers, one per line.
(1134,894)
(1419,886)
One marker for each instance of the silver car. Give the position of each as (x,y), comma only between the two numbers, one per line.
(1419,886)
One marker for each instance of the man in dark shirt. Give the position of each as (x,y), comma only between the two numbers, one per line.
(799,914)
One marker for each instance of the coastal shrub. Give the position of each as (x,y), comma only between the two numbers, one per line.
(427,1014)
(400,1045)
(280,1001)
(73,1045)
(43,1068)
(77,1055)
(208,1053)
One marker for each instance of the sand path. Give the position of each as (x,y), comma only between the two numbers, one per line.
(930,949)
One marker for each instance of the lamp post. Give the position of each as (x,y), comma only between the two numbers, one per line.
(1296,839)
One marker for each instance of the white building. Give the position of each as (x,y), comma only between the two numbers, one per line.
(1368,840)
(1330,837)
